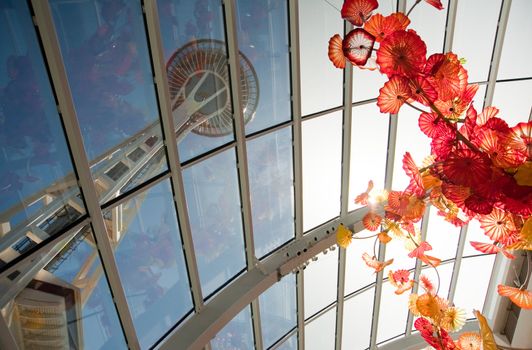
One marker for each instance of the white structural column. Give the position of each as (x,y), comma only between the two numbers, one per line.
(457,262)
(344,205)
(241,152)
(165,108)
(295,82)
(44,21)
(497,51)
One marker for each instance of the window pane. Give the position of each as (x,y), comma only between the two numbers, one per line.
(107,62)
(476,234)
(278,310)
(150,261)
(429,23)
(237,334)
(263,38)
(322,166)
(213,201)
(358,313)
(321,82)
(194,45)
(67,304)
(393,313)
(321,278)
(369,148)
(442,236)
(515,52)
(357,273)
(320,333)
(513,100)
(289,344)
(272,192)
(473,281)
(476,52)
(38,192)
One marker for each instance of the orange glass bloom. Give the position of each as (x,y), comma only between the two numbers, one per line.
(405,205)
(436,3)
(427,305)
(384,237)
(426,284)
(371,221)
(469,341)
(416,182)
(403,53)
(380,27)
(420,250)
(393,94)
(374,263)
(520,138)
(521,298)
(498,225)
(423,91)
(363,197)
(430,260)
(400,280)
(489,248)
(357,46)
(467,168)
(443,72)
(336,53)
(358,11)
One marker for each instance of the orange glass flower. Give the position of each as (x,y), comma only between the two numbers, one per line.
(364,196)
(400,280)
(374,263)
(357,46)
(498,225)
(443,72)
(469,341)
(423,91)
(393,94)
(408,206)
(371,221)
(436,3)
(416,185)
(358,11)
(336,53)
(521,298)
(403,53)
(380,27)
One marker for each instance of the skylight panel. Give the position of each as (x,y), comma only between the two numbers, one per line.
(442,236)
(393,313)
(321,280)
(357,273)
(320,333)
(429,23)
(238,333)
(358,312)
(513,100)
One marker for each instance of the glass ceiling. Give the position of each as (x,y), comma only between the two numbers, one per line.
(137,202)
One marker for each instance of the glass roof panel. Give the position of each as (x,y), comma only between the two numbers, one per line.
(515,55)
(445,271)
(476,234)
(321,82)
(393,313)
(75,303)
(397,251)
(478,101)
(513,100)
(108,67)
(357,274)
(263,38)
(358,312)
(270,168)
(278,310)
(289,344)
(442,236)
(322,159)
(213,201)
(369,140)
(429,23)
(467,31)
(237,334)
(473,281)
(193,32)
(150,261)
(320,333)
(321,281)
(38,192)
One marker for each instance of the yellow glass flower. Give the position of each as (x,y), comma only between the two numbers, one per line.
(523,176)
(412,304)
(343,236)
(453,319)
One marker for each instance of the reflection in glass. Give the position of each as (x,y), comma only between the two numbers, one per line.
(278,310)
(322,166)
(392,314)
(150,261)
(194,49)
(369,140)
(104,48)
(271,186)
(38,192)
(237,334)
(67,304)
(321,278)
(213,200)
(358,312)
(263,38)
(473,282)
(320,333)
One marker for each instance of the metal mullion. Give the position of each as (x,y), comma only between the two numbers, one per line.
(256,323)
(295,82)
(44,21)
(417,270)
(497,51)
(344,198)
(165,107)
(239,128)
(457,262)
(449,29)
